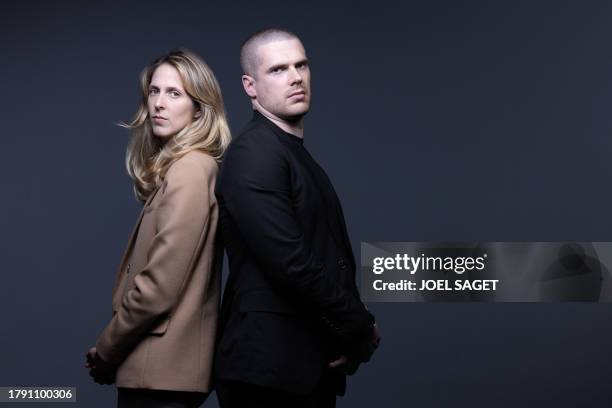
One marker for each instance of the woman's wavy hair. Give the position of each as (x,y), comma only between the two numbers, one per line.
(147,158)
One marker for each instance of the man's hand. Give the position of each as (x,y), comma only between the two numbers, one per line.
(343,363)
(339,362)
(101,371)
(358,352)
(375,336)
(89,363)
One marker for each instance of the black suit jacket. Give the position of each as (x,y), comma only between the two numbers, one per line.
(290,304)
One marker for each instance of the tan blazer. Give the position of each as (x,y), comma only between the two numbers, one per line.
(166,295)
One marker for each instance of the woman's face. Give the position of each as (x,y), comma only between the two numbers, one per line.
(170,108)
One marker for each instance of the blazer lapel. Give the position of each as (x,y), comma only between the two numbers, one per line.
(347,241)
(338,225)
(334,215)
(130,245)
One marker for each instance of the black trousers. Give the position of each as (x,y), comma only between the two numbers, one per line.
(235,394)
(140,398)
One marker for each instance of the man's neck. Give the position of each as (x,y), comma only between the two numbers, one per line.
(295,128)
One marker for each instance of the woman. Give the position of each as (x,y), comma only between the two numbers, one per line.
(158,346)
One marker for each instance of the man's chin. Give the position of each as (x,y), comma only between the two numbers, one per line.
(295,115)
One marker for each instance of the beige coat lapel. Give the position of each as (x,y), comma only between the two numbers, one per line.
(130,245)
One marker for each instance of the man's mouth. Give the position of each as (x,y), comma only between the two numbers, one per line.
(300,92)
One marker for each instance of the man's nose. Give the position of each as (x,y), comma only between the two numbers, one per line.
(294,76)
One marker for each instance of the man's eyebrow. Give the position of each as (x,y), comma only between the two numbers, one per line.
(282,66)
(277,66)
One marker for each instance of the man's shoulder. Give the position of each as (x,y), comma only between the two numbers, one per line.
(257,133)
(256,151)
(255,138)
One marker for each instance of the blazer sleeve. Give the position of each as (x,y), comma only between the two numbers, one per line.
(181,218)
(255,186)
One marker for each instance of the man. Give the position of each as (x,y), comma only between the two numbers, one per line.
(292,323)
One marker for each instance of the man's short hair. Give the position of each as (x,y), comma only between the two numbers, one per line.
(249,59)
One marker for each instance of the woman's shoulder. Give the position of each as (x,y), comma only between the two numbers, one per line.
(193,165)
(198,157)
(194,161)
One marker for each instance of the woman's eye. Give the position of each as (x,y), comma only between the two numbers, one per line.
(175,94)
(153,91)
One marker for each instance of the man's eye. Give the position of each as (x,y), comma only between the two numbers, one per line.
(277,70)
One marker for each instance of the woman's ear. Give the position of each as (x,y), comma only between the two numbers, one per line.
(198,113)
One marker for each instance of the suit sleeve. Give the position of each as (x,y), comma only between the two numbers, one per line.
(181,218)
(256,189)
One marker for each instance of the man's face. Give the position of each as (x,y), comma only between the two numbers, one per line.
(281,84)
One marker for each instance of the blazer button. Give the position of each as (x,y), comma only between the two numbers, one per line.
(342,263)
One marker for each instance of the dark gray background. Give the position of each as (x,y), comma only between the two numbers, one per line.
(436,121)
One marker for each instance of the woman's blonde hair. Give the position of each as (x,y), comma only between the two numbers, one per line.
(147,158)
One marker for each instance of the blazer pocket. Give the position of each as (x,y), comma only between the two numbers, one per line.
(264,301)
(160,326)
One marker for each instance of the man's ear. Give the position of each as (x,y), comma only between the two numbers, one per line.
(248,82)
